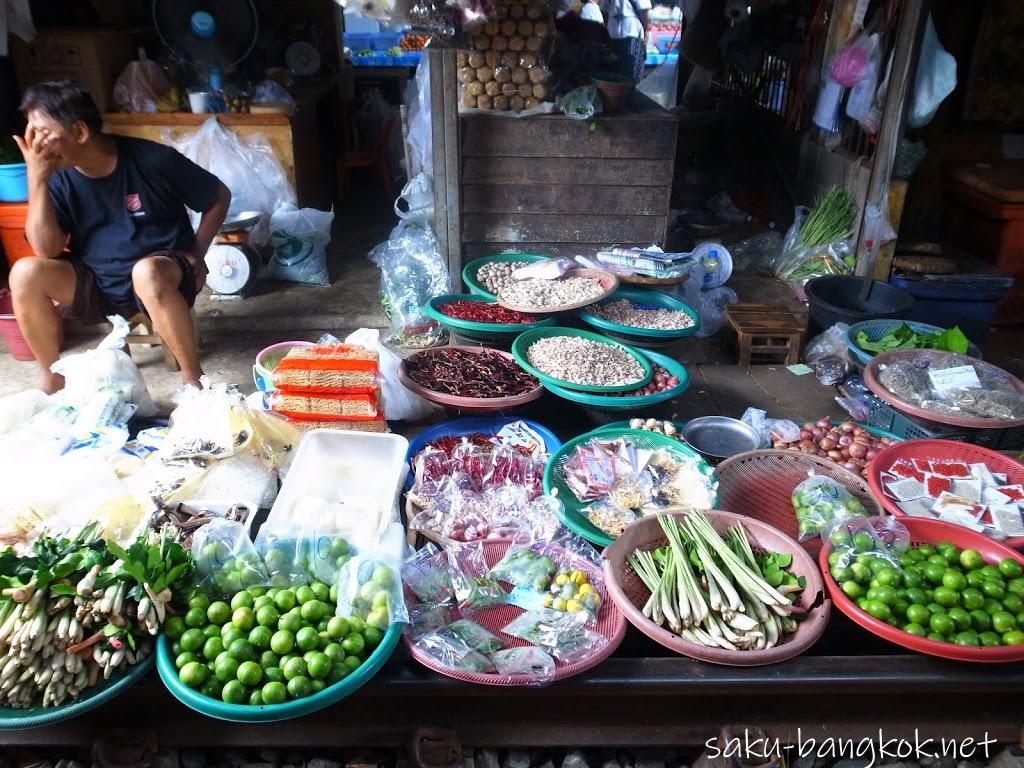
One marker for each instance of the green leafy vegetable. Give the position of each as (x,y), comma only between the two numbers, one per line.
(830,219)
(904,337)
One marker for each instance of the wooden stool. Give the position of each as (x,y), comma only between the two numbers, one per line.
(143,333)
(767,329)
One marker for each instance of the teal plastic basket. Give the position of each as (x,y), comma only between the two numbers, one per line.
(647,298)
(523,343)
(635,402)
(476,330)
(876,329)
(17,719)
(269,713)
(573,516)
(469,271)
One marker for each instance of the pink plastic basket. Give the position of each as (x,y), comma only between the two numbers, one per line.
(611,623)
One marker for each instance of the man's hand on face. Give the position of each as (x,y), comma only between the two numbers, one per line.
(37,148)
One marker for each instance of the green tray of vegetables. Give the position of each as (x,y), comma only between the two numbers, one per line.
(470,270)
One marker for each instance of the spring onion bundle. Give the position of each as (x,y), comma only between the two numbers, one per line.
(830,219)
(715,591)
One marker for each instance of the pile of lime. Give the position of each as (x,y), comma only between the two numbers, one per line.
(268,646)
(938,591)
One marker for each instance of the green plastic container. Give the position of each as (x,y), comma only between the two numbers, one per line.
(613,403)
(472,329)
(573,516)
(268,713)
(15,719)
(650,298)
(469,271)
(522,344)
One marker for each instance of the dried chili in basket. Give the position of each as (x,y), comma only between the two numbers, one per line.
(469,374)
(482,312)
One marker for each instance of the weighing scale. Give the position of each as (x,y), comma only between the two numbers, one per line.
(232,261)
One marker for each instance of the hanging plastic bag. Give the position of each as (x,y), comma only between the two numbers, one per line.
(798,262)
(272,92)
(862,94)
(140,86)
(662,84)
(299,237)
(418,196)
(411,273)
(580,103)
(417,109)
(936,78)
(107,368)
(851,65)
(399,403)
(818,501)
(226,561)
(249,168)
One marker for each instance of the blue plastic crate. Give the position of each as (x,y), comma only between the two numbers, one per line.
(386,40)
(359,41)
(968,301)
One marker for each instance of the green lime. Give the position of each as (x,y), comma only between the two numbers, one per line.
(290,622)
(991,572)
(174,627)
(267,616)
(234,693)
(269,659)
(193,640)
(274,692)
(961,618)
(294,668)
(176,648)
(356,625)
(876,608)
(353,663)
(256,699)
(213,648)
(193,674)
(989,587)
(211,630)
(338,673)
(946,597)
(841,573)
(942,624)
(321,591)
(211,688)
(299,687)
(318,664)
(243,618)
(861,573)
(195,617)
(916,595)
(886,594)
(263,601)
(914,629)
(373,637)
(379,618)
(183,658)
(1012,603)
(242,650)
(936,559)
(1014,637)
(242,600)
(1010,568)
(249,674)
(219,613)
(888,577)
(1003,622)
(852,589)
(954,580)
(304,594)
(274,674)
(936,637)
(980,621)
(968,637)
(260,637)
(990,639)
(934,572)
(974,578)
(282,642)
(337,627)
(307,639)
(313,610)
(335,652)
(934,608)
(199,600)
(972,599)
(912,579)
(918,614)
(971,560)
(1016,587)
(285,600)
(224,667)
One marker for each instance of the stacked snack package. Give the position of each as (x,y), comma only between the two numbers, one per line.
(332,386)
(504,69)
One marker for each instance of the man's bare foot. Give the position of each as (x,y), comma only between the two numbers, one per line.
(50,382)
(191,381)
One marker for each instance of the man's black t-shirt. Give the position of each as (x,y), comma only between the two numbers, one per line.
(136,210)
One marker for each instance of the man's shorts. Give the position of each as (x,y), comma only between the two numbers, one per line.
(91,306)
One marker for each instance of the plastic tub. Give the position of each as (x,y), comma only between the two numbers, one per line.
(11,333)
(12,231)
(267,360)
(13,183)
(631,402)
(968,301)
(469,271)
(644,297)
(836,299)
(478,330)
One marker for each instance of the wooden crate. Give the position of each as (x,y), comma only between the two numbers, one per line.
(559,186)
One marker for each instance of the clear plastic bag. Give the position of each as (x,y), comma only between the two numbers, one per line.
(818,501)
(662,85)
(783,430)
(580,103)
(475,590)
(757,253)
(283,545)
(475,636)
(107,368)
(563,635)
(412,272)
(425,618)
(299,237)
(328,550)
(505,71)
(426,574)
(855,542)
(369,588)
(140,86)
(524,565)
(272,92)
(226,561)
(451,652)
(828,354)
(799,263)
(530,661)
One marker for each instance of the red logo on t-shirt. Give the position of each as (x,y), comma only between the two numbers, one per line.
(133,203)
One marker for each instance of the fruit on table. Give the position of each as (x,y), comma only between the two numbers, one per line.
(291,646)
(939,592)
(571,591)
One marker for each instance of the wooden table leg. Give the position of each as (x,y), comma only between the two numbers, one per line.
(793,355)
(745,340)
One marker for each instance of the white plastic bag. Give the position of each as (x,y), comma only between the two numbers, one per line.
(662,85)
(17,409)
(862,94)
(418,196)
(299,237)
(936,78)
(272,92)
(104,369)
(399,403)
(417,105)
(249,168)
(580,103)
(139,86)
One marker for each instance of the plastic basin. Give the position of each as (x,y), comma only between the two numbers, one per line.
(647,297)
(522,345)
(475,329)
(268,359)
(469,271)
(836,299)
(630,402)
(13,183)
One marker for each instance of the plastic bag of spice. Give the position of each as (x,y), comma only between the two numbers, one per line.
(471,461)
(475,590)
(226,561)
(425,618)
(452,652)
(426,574)
(563,635)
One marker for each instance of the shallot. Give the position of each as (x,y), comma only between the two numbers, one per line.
(847,444)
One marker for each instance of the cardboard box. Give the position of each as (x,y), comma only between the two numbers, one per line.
(92,59)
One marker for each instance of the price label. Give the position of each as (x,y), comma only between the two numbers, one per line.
(949,379)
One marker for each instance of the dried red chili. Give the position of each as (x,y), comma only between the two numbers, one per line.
(482,312)
(469,374)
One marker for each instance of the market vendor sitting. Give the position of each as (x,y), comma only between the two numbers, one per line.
(107,218)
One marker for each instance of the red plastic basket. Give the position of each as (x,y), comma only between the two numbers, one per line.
(942,449)
(759,485)
(931,532)
(610,623)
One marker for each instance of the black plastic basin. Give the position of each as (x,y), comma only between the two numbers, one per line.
(836,299)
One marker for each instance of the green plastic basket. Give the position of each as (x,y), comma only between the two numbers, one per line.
(631,403)
(473,329)
(268,713)
(469,271)
(522,344)
(15,719)
(573,516)
(650,298)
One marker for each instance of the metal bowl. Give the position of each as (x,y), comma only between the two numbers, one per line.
(720,437)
